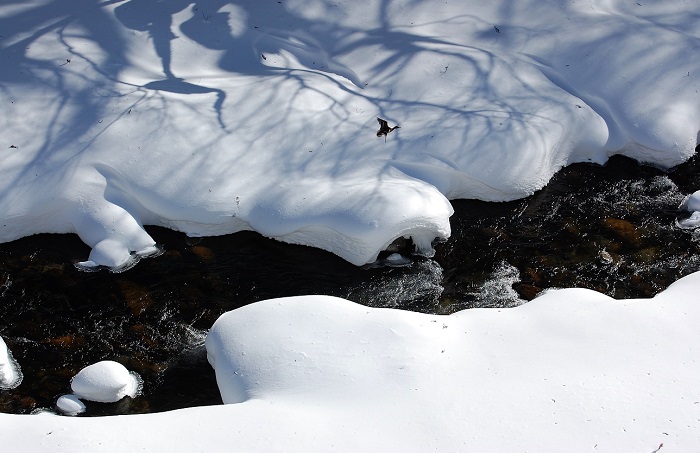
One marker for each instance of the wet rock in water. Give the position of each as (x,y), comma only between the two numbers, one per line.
(66,341)
(27,403)
(138,299)
(623,230)
(527,291)
(205,253)
(146,335)
(105,382)
(647,255)
(572,230)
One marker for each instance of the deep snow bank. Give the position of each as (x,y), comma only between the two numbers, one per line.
(214,117)
(571,370)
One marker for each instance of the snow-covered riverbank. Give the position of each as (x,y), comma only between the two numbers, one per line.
(213,117)
(573,369)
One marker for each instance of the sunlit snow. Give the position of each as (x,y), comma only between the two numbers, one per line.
(106,382)
(10,373)
(212,117)
(573,370)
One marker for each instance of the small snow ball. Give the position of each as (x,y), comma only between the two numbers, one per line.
(10,374)
(105,382)
(70,405)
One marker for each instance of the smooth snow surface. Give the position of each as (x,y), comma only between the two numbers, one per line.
(573,370)
(215,116)
(105,382)
(10,374)
(212,117)
(70,405)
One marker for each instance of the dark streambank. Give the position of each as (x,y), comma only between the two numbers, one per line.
(609,228)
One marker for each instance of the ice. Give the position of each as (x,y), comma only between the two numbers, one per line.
(10,373)
(70,405)
(105,382)
(212,118)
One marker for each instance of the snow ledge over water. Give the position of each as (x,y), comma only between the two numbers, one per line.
(217,117)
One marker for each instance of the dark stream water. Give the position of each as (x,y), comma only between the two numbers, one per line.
(609,228)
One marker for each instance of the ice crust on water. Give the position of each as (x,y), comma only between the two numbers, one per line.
(105,382)
(267,122)
(10,373)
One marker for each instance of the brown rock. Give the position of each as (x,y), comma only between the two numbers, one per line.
(204,253)
(138,299)
(623,230)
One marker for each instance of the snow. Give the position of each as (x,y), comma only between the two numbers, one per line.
(70,405)
(215,117)
(572,368)
(10,373)
(691,203)
(105,382)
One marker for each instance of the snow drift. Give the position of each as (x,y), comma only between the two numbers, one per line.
(572,368)
(212,117)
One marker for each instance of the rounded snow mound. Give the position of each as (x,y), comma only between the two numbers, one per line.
(105,382)
(70,405)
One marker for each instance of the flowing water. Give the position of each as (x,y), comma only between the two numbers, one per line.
(610,228)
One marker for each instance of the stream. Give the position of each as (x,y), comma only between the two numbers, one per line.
(609,228)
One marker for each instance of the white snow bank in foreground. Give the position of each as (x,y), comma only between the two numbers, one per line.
(214,117)
(572,370)
(10,374)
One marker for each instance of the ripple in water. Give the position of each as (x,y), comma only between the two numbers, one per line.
(417,287)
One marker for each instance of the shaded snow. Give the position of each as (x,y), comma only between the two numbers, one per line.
(691,204)
(70,405)
(214,117)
